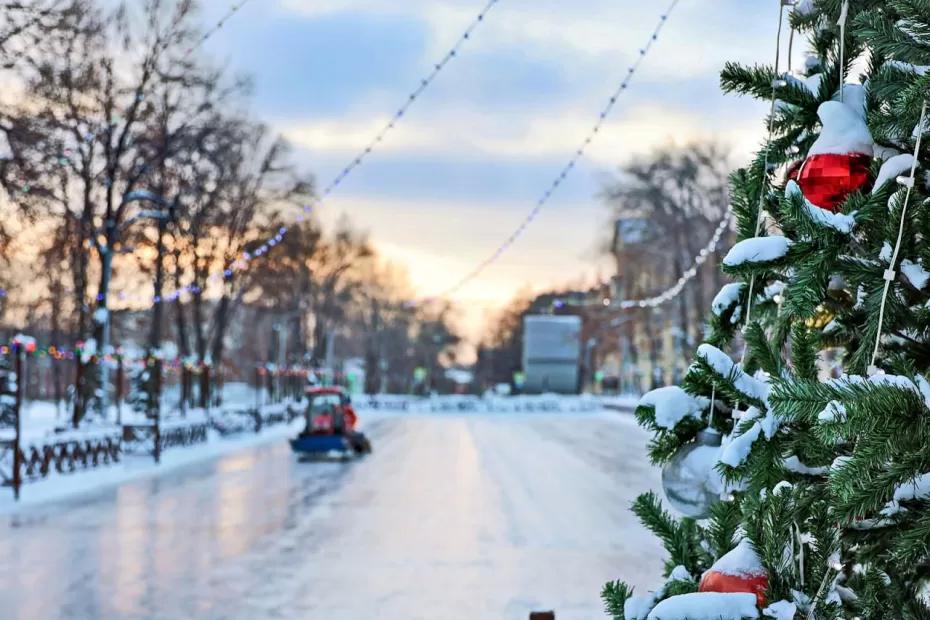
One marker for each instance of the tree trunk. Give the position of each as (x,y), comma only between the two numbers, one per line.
(179,315)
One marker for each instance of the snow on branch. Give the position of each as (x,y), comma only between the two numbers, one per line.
(672,405)
(752,388)
(757,251)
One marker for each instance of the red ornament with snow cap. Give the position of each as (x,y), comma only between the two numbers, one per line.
(838,161)
(740,570)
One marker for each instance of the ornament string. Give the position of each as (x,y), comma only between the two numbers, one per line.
(844,12)
(890,273)
(776,82)
(566,169)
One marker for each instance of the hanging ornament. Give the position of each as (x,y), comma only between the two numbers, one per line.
(838,161)
(690,481)
(740,570)
(822,317)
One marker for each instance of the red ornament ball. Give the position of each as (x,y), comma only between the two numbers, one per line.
(739,570)
(826,179)
(715,581)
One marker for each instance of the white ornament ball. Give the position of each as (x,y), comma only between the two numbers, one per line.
(691,483)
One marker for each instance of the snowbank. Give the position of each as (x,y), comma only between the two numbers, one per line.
(706,606)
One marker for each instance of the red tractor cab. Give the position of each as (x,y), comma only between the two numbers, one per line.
(330,425)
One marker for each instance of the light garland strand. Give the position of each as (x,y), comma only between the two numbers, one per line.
(216,27)
(701,258)
(244,260)
(566,169)
(890,273)
(674,290)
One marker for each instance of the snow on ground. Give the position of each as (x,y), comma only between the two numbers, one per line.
(453,516)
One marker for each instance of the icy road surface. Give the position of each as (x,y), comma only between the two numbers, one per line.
(453,516)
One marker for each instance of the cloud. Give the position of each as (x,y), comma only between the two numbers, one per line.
(470,136)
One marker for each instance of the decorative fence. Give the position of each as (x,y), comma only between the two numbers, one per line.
(180,387)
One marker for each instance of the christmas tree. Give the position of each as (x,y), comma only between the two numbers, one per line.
(142,390)
(798,444)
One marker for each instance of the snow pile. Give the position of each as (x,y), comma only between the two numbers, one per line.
(773,290)
(781,487)
(741,561)
(917,489)
(887,251)
(737,448)
(794,464)
(727,297)
(844,130)
(915,273)
(839,222)
(638,607)
(906,66)
(195,418)
(835,411)
(757,250)
(726,367)
(899,164)
(811,84)
(95,434)
(782,610)
(672,405)
(706,606)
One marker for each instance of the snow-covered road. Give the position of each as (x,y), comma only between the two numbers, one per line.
(453,516)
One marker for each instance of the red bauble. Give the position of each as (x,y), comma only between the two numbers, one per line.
(714,581)
(739,570)
(826,179)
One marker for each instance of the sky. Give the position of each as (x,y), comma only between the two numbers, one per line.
(469,159)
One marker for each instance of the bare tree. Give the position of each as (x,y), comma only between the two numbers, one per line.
(667,204)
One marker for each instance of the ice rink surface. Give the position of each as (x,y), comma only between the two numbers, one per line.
(453,516)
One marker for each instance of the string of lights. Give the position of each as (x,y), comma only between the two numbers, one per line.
(701,258)
(675,289)
(216,27)
(245,259)
(567,168)
(242,262)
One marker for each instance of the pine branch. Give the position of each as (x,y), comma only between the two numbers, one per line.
(614,594)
